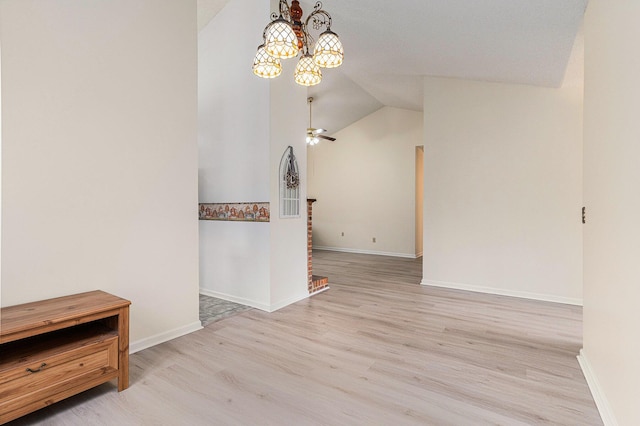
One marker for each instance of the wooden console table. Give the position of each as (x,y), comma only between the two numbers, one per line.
(56,348)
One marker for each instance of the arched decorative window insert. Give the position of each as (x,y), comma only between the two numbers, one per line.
(289,185)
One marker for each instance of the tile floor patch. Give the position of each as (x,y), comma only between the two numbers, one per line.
(213,309)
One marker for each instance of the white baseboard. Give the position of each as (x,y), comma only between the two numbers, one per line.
(147,342)
(286,302)
(358,251)
(248,302)
(504,292)
(596,391)
(235,299)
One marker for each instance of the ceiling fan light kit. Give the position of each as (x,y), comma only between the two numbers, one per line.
(312,140)
(287,36)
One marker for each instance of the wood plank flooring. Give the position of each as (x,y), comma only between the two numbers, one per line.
(375,349)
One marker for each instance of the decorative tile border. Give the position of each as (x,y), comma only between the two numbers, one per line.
(237,212)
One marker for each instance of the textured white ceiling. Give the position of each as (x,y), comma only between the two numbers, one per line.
(390,45)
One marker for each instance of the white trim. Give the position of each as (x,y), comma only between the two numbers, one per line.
(147,342)
(377,253)
(263,307)
(235,299)
(596,391)
(286,302)
(504,292)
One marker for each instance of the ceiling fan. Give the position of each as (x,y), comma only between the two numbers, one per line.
(314,135)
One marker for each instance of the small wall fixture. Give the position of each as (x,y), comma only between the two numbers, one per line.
(287,36)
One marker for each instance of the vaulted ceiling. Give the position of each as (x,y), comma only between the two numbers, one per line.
(391,45)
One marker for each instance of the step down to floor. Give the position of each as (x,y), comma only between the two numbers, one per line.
(318,283)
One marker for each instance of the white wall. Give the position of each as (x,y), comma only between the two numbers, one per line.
(234,150)
(289,282)
(245,123)
(233,107)
(503,189)
(99,186)
(419,199)
(365,185)
(612,198)
(1,158)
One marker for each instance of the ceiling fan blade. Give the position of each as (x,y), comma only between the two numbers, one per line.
(314,134)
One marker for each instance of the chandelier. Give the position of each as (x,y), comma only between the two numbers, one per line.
(287,36)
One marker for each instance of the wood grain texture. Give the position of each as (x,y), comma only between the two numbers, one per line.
(56,348)
(376,349)
(123,349)
(30,319)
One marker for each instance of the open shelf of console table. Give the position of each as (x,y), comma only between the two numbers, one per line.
(56,348)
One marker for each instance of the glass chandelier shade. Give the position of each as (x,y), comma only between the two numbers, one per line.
(280,40)
(265,65)
(312,140)
(307,72)
(328,52)
(287,36)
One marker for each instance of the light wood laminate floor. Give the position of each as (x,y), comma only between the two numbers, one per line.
(375,349)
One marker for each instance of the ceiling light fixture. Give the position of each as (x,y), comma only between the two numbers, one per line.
(314,135)
(287,35)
